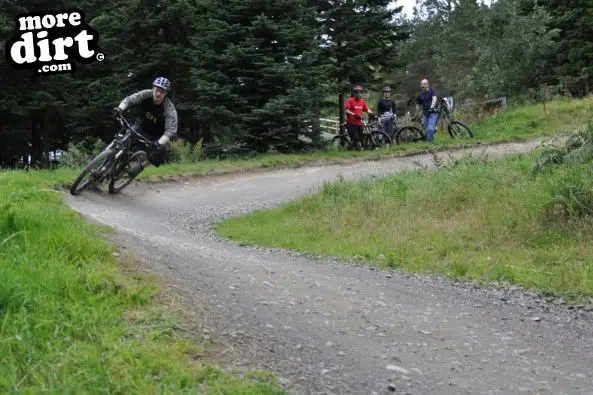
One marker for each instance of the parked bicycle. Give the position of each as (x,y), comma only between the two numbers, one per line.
(372,137)
(115,161)
(407,133)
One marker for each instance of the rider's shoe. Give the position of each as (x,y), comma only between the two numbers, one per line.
(142,155)
(97,173)
(136,169)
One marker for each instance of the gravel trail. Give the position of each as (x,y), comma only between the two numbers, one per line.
(336,328)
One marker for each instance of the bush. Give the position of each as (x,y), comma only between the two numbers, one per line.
(571,195)
(577,149)
(79,154)
(571,185)
(184,152)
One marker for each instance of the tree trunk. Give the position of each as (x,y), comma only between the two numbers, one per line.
(315,122)
(35,142)
(44,142)
(207,134)
(38,144)
(192,130)
(342,112)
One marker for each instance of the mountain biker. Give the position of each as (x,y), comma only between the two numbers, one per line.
(158,120)
(427,99)
(355,106)
(386,111)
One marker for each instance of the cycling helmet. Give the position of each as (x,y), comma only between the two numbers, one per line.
(162,83)
(387,89)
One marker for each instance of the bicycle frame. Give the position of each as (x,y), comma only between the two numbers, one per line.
(445,114)
(110,162)
(121,144)
(368,127)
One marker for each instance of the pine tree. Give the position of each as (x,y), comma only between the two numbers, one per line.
(255,73)
(572,62)
(358,38)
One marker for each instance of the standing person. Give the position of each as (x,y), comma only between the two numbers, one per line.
(355,106)
(386,111)
(427,100)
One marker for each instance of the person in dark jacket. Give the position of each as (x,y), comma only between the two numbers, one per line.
(387,111)
(157,120)
(426,102)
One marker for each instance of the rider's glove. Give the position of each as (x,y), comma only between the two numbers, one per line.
(155,146)
(117,111)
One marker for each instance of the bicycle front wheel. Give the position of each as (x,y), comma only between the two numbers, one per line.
(458,129)
(124,174)
(409,134)
(96,169)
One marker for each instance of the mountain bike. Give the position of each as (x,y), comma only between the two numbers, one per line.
(372,137)
(412,133)
(115,161)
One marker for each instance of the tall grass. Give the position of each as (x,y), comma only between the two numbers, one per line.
(70,322)
(520,219)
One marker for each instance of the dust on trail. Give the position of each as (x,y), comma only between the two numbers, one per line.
(335,328)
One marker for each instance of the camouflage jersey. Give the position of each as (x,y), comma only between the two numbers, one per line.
(155,119)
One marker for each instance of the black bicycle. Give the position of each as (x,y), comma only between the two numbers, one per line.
(407,133)
(114,162)
(372,137)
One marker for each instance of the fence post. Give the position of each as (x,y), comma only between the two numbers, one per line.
(481,98)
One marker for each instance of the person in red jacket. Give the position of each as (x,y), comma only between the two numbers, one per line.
(355,106)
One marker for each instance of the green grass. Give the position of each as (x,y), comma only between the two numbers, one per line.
(530,121)
(477,220)
(72,322)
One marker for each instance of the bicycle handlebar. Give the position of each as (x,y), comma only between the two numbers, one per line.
(126,125)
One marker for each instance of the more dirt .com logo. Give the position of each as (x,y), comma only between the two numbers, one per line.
(51,42)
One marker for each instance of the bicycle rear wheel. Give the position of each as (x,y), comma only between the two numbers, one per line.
(102,162)
(340,142)
(409,134)
(458,129)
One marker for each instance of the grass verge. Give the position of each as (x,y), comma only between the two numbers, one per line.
(474,219)
(72,322)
